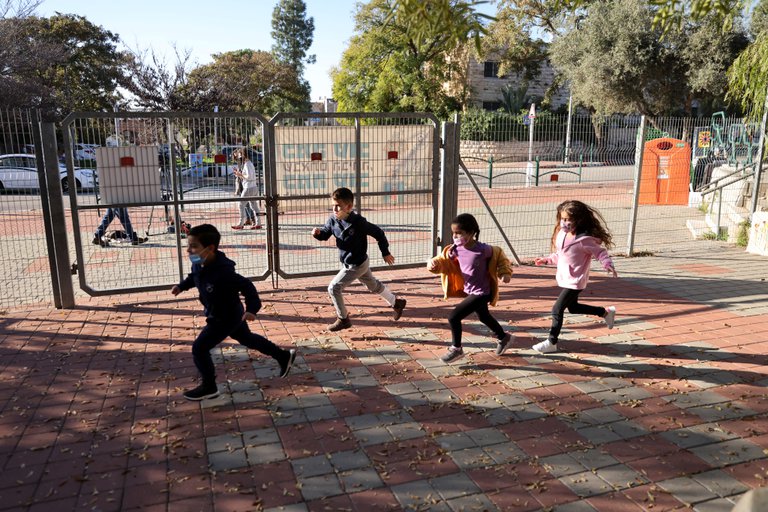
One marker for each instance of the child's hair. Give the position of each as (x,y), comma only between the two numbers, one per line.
(585,220)
(206,234)
(467,223)
(343,195)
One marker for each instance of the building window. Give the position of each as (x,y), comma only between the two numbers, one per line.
(491,69)
(492,106)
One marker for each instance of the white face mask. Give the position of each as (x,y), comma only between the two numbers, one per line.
(566,225)
(459,241)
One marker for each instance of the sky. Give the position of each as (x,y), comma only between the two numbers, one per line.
(208,27)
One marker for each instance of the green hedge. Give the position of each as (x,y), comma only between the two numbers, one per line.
(500,126)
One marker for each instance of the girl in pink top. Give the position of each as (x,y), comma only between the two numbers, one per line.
(579,236)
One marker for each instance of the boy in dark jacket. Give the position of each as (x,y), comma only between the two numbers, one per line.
(351,231)
(220,287)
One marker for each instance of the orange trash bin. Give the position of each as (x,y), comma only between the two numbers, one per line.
(666,172)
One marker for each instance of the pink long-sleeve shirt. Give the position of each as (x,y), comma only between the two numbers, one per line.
(573,258)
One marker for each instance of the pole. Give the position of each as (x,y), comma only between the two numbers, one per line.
(760,153)
(529,167)
(568,130)
(639,148)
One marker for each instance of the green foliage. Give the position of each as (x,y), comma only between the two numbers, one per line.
(60,64)
(293,33)
(742,239)
(477,124)
(617,62)
(385,69)
(759,21)
(243,80)
(513,99)
(748,77)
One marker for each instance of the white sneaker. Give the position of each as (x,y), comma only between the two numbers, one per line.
(610,316)
(545,347)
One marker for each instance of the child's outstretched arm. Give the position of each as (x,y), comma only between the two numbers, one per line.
(601,254)
(183,286)
(323,233)
(378,234)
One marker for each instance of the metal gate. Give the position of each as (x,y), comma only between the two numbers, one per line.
(389,161)
(159,171)
(165,170)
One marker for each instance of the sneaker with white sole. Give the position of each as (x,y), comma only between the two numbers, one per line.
(545,347)
(202,392)
(503,344)
(454,354)
(610,316)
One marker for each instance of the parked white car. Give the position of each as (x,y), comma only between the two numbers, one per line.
(19,172)
(85,151)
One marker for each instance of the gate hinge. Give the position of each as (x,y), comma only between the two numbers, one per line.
(442,143)
(271,201)
(73,269)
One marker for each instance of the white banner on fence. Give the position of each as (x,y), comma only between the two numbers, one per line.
(320,159)
(758,234)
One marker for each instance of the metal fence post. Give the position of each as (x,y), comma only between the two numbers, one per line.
(760,153)
(639,148)
(449,181)
(490,172)
(55,224)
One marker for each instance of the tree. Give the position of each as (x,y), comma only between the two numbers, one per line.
(759,22)
(244,80)
(615,61)
(293,34)
(385,69)
(153,84)
(61,64)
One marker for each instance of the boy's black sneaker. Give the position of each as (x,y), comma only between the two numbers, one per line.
(503,344)
(339,324)
(201,392)
(398,307)
(287,363)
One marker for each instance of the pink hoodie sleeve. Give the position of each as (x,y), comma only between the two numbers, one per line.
(598,252)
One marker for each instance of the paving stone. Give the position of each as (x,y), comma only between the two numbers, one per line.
(504,453)
(415,495)
(720,412)
(621,476)
(697,435)
(265,453)
(600,434)
(403,431)
(374,435)
(316,487)
(474,502)
(324,412)
(728,452)
(349,459)
(720,483)
(527,412)
(223,442)
(455,441)
(231,459)
(596,416)
(314,400)
(360,479)
(627,429)
(402,388)
(260,436)
(469,458)
(592,459)
(312,466)
(289,417)
(586,484)
(695,399)
(487,436)
(247,397)
(453,486)
(295,507)
(716,505)
(575,506)
(687,490)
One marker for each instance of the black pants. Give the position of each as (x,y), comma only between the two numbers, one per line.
(569,299)
(473,304)
(214,333)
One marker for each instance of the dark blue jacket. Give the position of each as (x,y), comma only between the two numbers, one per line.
(352,237)
(220,288)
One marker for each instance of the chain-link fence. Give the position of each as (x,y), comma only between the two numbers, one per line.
(524,168)
(26,270)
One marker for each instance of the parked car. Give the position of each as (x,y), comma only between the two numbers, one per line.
(85,151)
(19,172)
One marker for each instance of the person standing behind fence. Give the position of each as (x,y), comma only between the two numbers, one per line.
(250,214)
(471,269)
(220,287)
(579,236)
(247,173)
(351,231)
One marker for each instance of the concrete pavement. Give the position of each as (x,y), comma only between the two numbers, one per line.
(666,411)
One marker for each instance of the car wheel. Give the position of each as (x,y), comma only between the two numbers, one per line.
(65,185)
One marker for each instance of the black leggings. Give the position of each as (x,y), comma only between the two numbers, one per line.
(473,304)
(569,299)
(214,333)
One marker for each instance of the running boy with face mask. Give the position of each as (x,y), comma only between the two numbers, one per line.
(220,287)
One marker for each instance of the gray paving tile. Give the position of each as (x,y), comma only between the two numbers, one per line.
(312,466)
(697,435)
(349,459)
(454,486)
(687,490)
(223,442)
(586,484)
(720,412)
(695,399)
(621,476)
(728,452)
(373,435)
(561,464)
(716,505)
(455,441)
(260,436)
(265,453)
(360,479)
(478,502)
(592,459)
(600,434)
(223,461)
(415,495)
(486,436)
(404,431)
(323,412)
(504,453)
(320,486)
(295,507)
(721,483)
(470,458)
(575,506)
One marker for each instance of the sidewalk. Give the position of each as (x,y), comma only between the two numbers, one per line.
(667,410)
